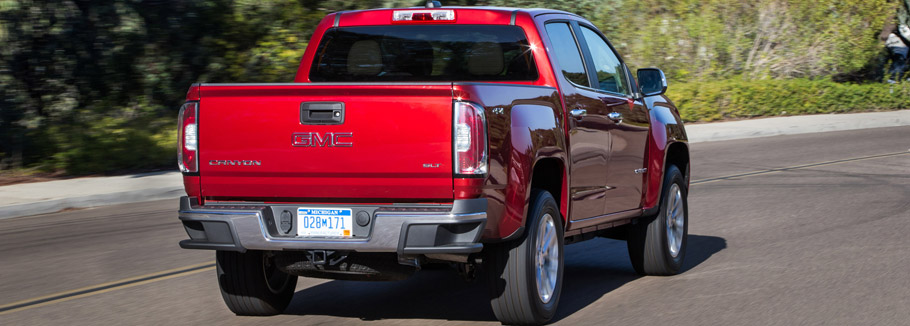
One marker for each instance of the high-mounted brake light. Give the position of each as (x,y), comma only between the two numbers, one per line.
(188,138)
(470,143)
(402,16)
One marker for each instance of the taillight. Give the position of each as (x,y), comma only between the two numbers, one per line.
(470,143)
(407,16)
(188,138)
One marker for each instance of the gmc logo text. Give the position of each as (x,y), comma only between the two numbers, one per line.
(330,139)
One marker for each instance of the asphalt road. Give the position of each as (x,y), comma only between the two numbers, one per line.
(818,236)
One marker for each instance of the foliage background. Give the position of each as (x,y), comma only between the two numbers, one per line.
(94,86)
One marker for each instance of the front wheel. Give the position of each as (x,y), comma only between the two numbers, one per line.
(525,275)
(657,244)
(251,284)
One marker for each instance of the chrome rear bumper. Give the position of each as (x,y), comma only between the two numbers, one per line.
(404,229)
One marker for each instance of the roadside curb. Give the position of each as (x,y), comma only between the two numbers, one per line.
(56,205)
(793,125)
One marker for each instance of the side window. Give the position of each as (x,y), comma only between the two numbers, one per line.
(610,73)
(567,54)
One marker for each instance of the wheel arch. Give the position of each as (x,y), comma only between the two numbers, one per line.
(677,154)
(549,174)
(667,144)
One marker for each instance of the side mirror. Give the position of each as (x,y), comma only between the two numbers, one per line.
(652,81)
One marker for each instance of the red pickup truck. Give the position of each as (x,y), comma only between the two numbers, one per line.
(487,138)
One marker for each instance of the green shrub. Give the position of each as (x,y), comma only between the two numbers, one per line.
(736,98)
(113,144)
(94,87)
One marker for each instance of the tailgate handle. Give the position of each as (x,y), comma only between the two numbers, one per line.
(322,113)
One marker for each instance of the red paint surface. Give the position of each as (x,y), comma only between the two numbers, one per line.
(191,185)
(657,148)
(396,130)
(193,93)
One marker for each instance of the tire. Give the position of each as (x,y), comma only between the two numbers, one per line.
(512,267)
(657,244)
(246,290)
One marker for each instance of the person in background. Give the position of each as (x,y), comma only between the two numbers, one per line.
(897,48)
(896,35)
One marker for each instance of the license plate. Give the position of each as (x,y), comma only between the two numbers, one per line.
(324,222)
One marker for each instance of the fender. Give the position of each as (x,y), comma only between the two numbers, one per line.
(535,136)
(524,126)
(666,129)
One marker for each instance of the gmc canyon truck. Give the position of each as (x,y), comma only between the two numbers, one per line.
(484,138)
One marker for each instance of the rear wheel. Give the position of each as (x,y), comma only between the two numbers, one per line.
(252,285)
(525,275)
(657,244)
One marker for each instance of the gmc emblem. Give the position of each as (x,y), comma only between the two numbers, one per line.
(330,139)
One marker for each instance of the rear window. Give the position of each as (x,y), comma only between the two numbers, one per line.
(424,53)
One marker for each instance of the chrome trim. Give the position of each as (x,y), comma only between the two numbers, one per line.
(384,236)
(315,139)
(615,116)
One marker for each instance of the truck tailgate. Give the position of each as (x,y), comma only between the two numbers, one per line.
(394,143)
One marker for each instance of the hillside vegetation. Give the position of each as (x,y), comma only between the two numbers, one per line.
(94,86)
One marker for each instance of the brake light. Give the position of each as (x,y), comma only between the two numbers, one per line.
(188,138)
(404,16)
(470,139)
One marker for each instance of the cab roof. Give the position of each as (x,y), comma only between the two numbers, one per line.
(463,15)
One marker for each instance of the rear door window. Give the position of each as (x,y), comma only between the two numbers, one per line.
(567,55)
(424,53)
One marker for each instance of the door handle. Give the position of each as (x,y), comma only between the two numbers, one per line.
(615,116)
(578,113)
